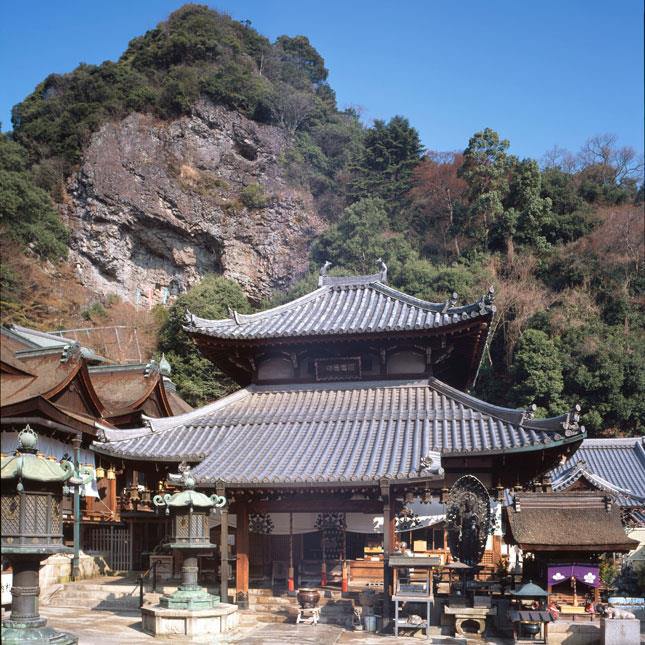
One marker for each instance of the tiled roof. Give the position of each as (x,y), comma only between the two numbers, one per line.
(348,305)
(340,432)
(46,340)
(614,465)
(567,522)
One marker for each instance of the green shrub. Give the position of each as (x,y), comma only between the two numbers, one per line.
(253,196)
(95,311)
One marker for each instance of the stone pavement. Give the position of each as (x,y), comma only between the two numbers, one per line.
(124,627)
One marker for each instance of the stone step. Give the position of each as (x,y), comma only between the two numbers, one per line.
(97,597)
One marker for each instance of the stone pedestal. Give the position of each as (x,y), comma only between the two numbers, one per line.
(201,623)
(190,595)
(476,615)
(617,631)
(25,625)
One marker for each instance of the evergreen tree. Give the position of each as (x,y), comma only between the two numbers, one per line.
(384,168)
(26,212)
(198,380)
(360,237)
(485,170)
(538,372)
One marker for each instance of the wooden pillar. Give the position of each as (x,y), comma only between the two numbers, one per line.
(242,561)
(110,498)
(223,547)
(497,549)
(291,586)
(387,547)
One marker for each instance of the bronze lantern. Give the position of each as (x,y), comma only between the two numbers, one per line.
(32,529)
(189,535)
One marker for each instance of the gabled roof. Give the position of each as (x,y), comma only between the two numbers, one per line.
(616,466)
(126,388)
(34,338)
(54,369)
(9,364)
(580,521)
(346,305)
(336,432)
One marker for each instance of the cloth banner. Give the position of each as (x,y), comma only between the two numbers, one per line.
(53,448)
(587,573)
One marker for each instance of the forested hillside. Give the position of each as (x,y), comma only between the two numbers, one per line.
(560,238)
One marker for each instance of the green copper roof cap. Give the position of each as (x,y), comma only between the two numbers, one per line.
(27,464)
(164,366)
(188,496)
(530,590)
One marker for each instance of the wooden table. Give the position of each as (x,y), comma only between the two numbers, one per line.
(419,589)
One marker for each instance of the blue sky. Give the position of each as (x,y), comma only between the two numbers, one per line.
(541,73)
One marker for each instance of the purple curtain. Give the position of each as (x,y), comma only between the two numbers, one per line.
(589,574)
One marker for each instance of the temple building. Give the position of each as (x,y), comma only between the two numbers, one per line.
(352,402)
(64,390)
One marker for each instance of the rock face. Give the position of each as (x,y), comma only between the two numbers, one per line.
(156,205)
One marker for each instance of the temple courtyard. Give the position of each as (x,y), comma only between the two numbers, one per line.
(94,627)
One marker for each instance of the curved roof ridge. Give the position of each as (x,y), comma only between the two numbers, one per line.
(258,315)
(157,425)
(516,416)
(387,290)
(349,280)
(341,385)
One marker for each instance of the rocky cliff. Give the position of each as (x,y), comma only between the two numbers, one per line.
(156,204)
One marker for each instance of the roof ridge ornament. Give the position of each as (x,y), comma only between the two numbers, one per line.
(232,313)
(383,277)
(152,367)
(571,424)
(71,351)
(489,298)
(451,302)
(189,318)
(323,273)
(528,414)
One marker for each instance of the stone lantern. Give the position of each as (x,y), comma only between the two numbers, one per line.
(190,610)
(32,530)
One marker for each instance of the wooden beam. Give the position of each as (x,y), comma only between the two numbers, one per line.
(314,504)
(387,547)
(242,561)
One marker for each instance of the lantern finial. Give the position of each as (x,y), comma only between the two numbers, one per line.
(27,440)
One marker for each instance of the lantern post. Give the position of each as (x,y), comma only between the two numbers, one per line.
(190,536)
(191,610)
(32,530)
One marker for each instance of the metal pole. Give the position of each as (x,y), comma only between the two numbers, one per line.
(76,569)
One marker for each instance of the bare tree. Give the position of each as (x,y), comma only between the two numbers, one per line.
(616,164)
(291,107)
(435,192)
(559,158)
